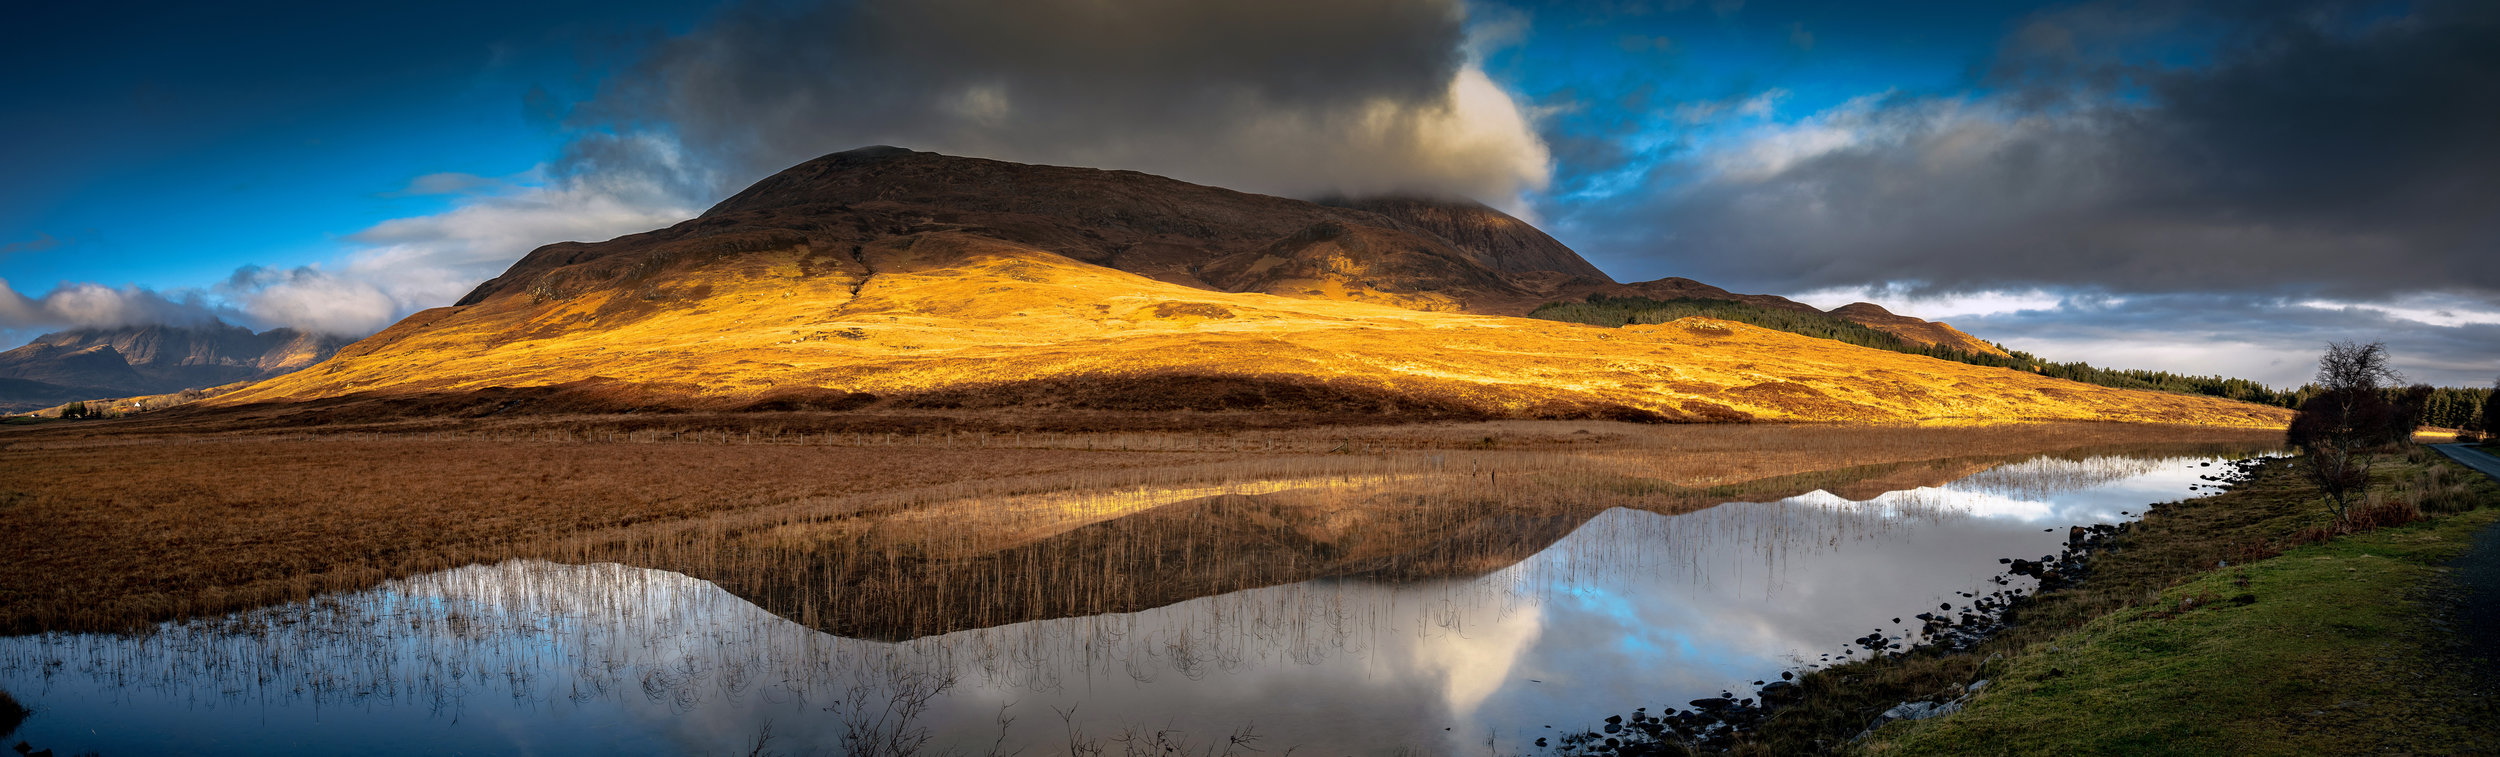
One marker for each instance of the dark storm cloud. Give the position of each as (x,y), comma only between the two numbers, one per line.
(1288,96)
(2316,150)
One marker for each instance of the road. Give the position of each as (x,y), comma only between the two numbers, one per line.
(2473,458)
(2478,571)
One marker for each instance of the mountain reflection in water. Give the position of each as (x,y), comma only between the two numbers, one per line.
(1630,608)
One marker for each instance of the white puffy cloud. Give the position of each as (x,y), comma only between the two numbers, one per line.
(1940,305)
(86,305)
(428,261)
(385,272)
(309,299)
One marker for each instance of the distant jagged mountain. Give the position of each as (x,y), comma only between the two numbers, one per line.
(887,279)
(83,364)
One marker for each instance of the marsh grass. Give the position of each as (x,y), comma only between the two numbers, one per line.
(540,633)
(115,529)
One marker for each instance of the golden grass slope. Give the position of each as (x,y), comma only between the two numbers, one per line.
(956,319)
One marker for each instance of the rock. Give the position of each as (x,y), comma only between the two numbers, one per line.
(1917,711)
(1911,711)
(1975,686)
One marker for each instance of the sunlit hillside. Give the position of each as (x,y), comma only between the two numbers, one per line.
(953,318)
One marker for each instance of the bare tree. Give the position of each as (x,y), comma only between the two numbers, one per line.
(2334,428)
(2350,366)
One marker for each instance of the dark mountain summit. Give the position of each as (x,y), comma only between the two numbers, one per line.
(1423,254)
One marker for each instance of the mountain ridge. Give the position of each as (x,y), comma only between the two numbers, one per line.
(900,279)
(1456,255)
(96,363)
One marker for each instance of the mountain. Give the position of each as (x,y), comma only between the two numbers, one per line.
(95,363)
(886,278)
(1913,330)
(1868,314)
(1164,229)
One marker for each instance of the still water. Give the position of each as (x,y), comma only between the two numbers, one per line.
(1632,609)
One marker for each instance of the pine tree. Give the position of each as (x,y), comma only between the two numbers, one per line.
(2491,409)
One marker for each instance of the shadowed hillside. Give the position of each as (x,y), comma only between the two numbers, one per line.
(891,278)
(1913,330)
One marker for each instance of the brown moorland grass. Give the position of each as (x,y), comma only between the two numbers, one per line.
(110,526)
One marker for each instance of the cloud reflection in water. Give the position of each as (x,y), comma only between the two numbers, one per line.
(1632,609)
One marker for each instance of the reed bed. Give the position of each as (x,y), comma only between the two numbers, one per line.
(533,634)
(115,527)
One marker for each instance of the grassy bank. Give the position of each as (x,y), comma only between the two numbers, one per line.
(2309,642)
(2326,649)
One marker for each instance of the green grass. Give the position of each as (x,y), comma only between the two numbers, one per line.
(2099,704)
(2325,649)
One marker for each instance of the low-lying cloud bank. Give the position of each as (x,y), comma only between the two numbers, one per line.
(2445,341)
(98,306)
(390,270)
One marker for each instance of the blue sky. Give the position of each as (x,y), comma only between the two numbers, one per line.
(169,149)
(2059,177)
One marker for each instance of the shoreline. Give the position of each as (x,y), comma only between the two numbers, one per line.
(2063,670)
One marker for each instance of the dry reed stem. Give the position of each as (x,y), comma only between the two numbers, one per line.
(112,529)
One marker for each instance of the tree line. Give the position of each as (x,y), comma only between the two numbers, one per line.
(2443,407)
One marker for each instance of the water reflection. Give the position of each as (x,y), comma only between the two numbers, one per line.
(1631,608)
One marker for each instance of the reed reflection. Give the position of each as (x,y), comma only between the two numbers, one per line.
(1501,622)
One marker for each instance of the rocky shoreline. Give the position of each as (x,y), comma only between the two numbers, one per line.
(1718,724)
